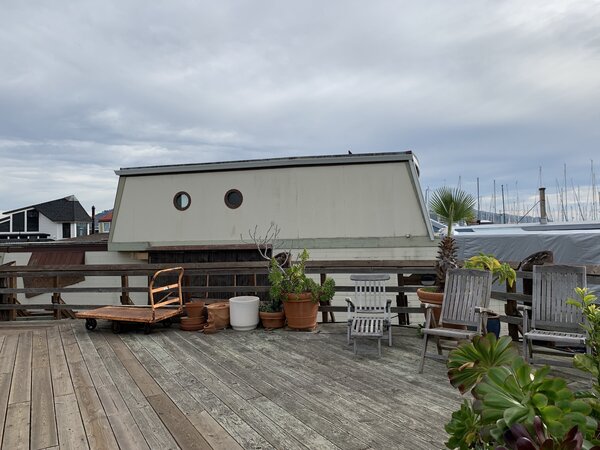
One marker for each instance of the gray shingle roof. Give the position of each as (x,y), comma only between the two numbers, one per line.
(66,209)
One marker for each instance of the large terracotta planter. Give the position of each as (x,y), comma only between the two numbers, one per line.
(300,311)
(434,298)
(272,320)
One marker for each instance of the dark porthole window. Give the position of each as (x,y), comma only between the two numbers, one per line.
(233,198)
(182,201)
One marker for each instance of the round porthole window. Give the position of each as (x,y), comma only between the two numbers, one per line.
(182,201)
(233,198)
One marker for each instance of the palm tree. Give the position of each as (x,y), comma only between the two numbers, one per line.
(450,205)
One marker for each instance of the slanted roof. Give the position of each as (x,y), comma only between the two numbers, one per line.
(325,160)
(66,209)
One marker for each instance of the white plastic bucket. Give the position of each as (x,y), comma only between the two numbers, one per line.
(243,312)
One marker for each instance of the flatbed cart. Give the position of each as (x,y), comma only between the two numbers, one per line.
(161,310)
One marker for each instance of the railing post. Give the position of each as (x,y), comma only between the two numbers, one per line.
(510,309)
(8,299)
(325,314)
(125,300)
(55,299)
(12,298)
(402,300)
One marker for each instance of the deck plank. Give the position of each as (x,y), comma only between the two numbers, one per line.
(16,427)
(71,432)
(61,378)
(124,427)
(20,390)
(7,364)
(155,433)
(95,421)
(43,420)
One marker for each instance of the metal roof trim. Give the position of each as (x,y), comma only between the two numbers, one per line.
(256,164)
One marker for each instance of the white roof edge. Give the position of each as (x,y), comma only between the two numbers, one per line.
(360,158)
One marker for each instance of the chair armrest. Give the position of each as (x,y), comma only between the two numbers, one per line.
(388,305)
(481,310)
(431,305)
(523,308)
(351,306)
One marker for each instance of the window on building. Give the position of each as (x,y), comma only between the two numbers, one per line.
(33,220)
(233,198)
(5,225)
(82,229)
(182,201)
(18,222)
(66,230)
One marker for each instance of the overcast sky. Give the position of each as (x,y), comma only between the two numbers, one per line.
(489,89)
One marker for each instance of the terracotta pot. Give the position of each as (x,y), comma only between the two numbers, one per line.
(194,308)
(300,311)
(435,298)
(192,323)
(272,320)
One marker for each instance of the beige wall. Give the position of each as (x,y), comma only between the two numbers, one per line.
(328,202)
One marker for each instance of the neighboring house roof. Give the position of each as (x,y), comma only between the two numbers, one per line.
(66,209)
(107,217)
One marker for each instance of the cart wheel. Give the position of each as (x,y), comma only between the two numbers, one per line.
(167,323)
(116,327)
(90,324)
(147,328)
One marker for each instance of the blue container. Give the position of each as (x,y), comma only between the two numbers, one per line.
(493,326)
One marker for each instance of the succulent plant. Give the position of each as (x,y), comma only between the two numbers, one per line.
(518,437)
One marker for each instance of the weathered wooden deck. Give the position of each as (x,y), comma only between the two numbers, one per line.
(64,387)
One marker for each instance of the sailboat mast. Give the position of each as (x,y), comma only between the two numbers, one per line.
(565,192)
(478,207)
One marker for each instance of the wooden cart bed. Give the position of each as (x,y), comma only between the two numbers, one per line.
(142,314)
(159,310)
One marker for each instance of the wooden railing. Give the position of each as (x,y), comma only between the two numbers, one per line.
(408,275)
(408,279)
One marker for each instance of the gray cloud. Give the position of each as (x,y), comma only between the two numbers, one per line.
(476,89)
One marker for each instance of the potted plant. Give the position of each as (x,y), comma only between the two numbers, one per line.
(271,313)
(450,205)
(513,405)
(299,293)
(502,273)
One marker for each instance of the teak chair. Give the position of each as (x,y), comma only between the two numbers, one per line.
(369,313)
(466,298)
(552,319)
